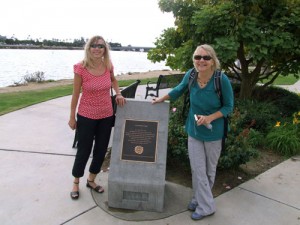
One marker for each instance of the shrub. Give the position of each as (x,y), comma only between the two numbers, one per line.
(239,149)
(286,102)
(285,138)
(37,77)
(177,139)
(257,115)
(256,138)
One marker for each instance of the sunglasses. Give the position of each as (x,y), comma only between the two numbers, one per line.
(97,46)
(205,57)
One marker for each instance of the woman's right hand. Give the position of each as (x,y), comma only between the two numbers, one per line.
(157,100)
(72,124)
(162,99)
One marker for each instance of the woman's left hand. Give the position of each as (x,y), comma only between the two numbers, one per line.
(203,120)
(120,100)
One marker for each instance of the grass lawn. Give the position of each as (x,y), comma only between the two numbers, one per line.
(284,80)
(17,100)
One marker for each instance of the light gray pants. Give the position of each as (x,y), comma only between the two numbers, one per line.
(204,158)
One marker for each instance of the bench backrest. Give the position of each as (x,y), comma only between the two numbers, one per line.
(169,81)
(128,92)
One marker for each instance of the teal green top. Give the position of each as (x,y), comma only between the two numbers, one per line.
(205,101)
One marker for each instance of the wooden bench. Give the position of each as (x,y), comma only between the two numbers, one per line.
(127,92)
(163,81)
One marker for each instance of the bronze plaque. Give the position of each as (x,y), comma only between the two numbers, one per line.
(140,141)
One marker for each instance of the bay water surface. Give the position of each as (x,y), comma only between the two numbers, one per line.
(58,64)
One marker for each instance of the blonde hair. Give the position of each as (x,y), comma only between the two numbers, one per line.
(87,61)
(211,52)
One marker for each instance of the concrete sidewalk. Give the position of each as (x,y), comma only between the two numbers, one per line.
(36,159)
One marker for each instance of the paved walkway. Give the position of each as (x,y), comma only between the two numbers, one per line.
(36,160)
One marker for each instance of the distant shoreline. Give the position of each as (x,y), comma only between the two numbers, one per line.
(39,47)
(42,47)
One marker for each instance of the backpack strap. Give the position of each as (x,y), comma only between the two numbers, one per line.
(186,102)
(218,89)
(192,77)
(217,84)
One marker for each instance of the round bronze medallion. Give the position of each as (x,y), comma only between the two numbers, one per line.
(139,150)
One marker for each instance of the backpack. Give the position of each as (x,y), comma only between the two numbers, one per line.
(218,89)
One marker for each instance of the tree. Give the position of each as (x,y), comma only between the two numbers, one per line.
(262,35)
(79,42)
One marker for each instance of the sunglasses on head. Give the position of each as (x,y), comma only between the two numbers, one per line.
(97,46)
(205,57)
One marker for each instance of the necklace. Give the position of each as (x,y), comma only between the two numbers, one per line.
(202,83)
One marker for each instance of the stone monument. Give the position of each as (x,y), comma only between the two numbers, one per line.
(138,159)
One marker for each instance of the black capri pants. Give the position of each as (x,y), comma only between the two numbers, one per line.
(90,130)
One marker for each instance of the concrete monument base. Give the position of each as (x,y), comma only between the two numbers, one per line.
(138,159)
(176,200)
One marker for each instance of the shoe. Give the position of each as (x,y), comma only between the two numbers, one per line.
(192,206)
(196,216)
(98,188)
(75,194)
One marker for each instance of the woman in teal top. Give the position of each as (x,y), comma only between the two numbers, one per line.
(205,132)
(205,102)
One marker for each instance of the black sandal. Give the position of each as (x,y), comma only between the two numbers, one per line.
(75,194)
(98,188)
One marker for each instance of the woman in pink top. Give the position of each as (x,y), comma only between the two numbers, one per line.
(93,76)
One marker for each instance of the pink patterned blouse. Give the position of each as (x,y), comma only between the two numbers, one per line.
(95,101)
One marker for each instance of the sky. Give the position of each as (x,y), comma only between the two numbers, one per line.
(129,22)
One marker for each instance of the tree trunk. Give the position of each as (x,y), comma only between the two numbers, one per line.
(249,80)
(247,87)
